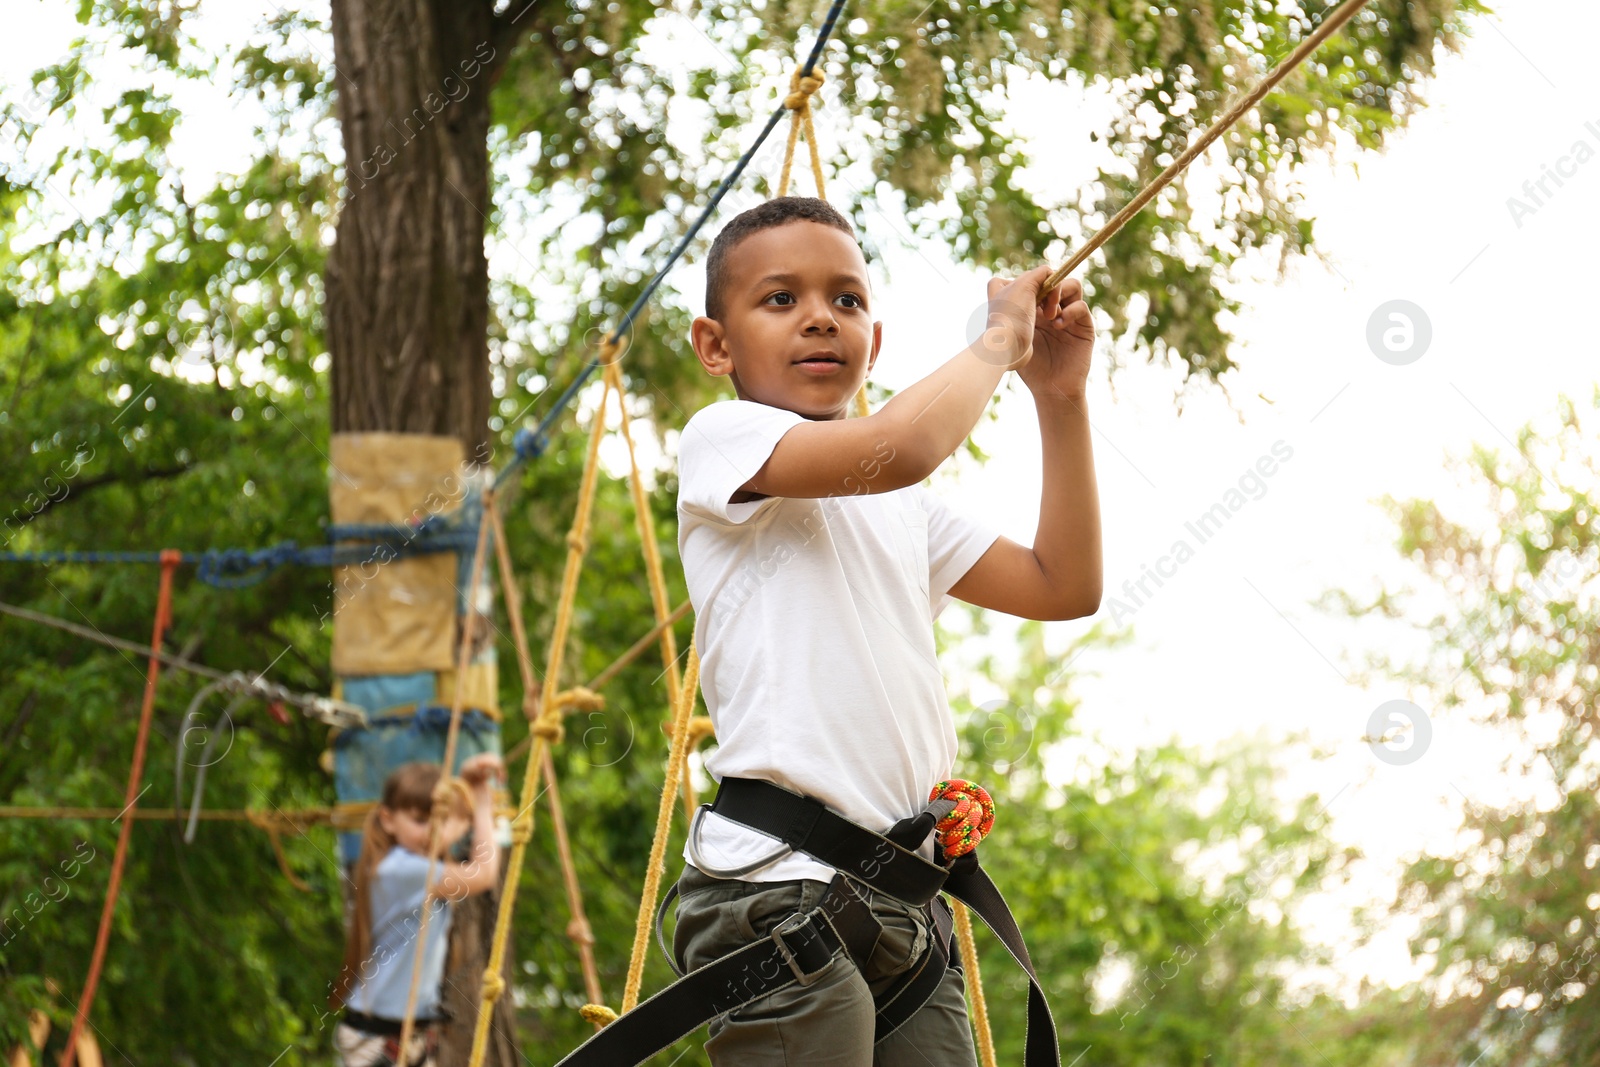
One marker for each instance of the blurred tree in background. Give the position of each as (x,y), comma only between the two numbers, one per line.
(165,380)
(1509,925)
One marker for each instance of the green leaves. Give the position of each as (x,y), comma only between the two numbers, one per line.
(1507,918)
(164,382)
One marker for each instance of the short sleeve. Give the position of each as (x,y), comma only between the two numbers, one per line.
(721,448)
(955,542)
(403,875)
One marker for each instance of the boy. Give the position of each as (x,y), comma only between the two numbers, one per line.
(816,562)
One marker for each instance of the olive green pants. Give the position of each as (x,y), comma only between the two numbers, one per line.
(830,1022)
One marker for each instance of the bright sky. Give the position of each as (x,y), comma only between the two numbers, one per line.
(1229,643)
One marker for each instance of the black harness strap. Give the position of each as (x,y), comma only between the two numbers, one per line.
(970,884)
(804,945)
(896,1007)
(798,951)
(806,825)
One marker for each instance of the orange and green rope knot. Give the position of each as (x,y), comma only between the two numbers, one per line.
(971,820)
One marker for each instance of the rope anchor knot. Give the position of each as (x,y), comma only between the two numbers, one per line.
(800,89)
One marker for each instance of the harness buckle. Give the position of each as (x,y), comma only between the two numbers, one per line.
(792,925)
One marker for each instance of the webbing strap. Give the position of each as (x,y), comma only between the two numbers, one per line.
(912,991)
(806,943)
(970,884)
(806,825)
(796,952)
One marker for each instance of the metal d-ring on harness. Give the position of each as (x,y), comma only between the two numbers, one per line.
(801,948)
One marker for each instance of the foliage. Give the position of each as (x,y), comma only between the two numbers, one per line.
(1509,915)
(164,383)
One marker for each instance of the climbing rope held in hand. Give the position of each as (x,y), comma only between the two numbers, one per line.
(960,831)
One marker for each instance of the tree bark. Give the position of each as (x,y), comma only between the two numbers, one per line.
(407,279)
(408,295)
(471,932)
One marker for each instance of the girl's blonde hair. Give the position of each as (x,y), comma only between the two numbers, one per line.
(409,787)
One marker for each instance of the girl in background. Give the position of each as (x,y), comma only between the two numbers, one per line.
(389,877)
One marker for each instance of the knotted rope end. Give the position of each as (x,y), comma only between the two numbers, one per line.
(800,89)
(971,820)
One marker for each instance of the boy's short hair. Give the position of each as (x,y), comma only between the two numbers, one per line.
(775,212)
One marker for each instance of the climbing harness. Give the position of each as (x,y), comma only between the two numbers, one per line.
(804,945)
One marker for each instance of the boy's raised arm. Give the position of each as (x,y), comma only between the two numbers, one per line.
(905,441)
(1059,577)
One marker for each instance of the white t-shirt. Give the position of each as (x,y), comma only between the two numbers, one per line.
(814,623)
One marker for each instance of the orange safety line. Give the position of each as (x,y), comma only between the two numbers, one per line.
(169,562)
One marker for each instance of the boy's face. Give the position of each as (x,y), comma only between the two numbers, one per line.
(796,297)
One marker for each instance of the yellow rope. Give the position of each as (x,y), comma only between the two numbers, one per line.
(578,928)
(647,535)
(652,558)
(684,733)
(683,711)
(545,728)
(799,104)
(969,963)
(700,728)
(441,794)
(1325,29)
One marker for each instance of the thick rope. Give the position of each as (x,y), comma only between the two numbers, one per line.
(676,758)
(599,681)
(274,830)
(545,729)
(1334,19)
(801,86)
(158,630)
(969,963)
(441,792)
(969,822)
(652,556)
(647,536)
(578,927)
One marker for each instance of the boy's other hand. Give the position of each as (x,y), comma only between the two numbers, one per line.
(1014,307)
(1063,342)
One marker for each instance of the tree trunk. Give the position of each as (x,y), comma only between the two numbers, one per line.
(471,931)
(407,279)
(408,294)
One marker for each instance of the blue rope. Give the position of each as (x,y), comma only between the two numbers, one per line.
(236,568)
(539,438)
